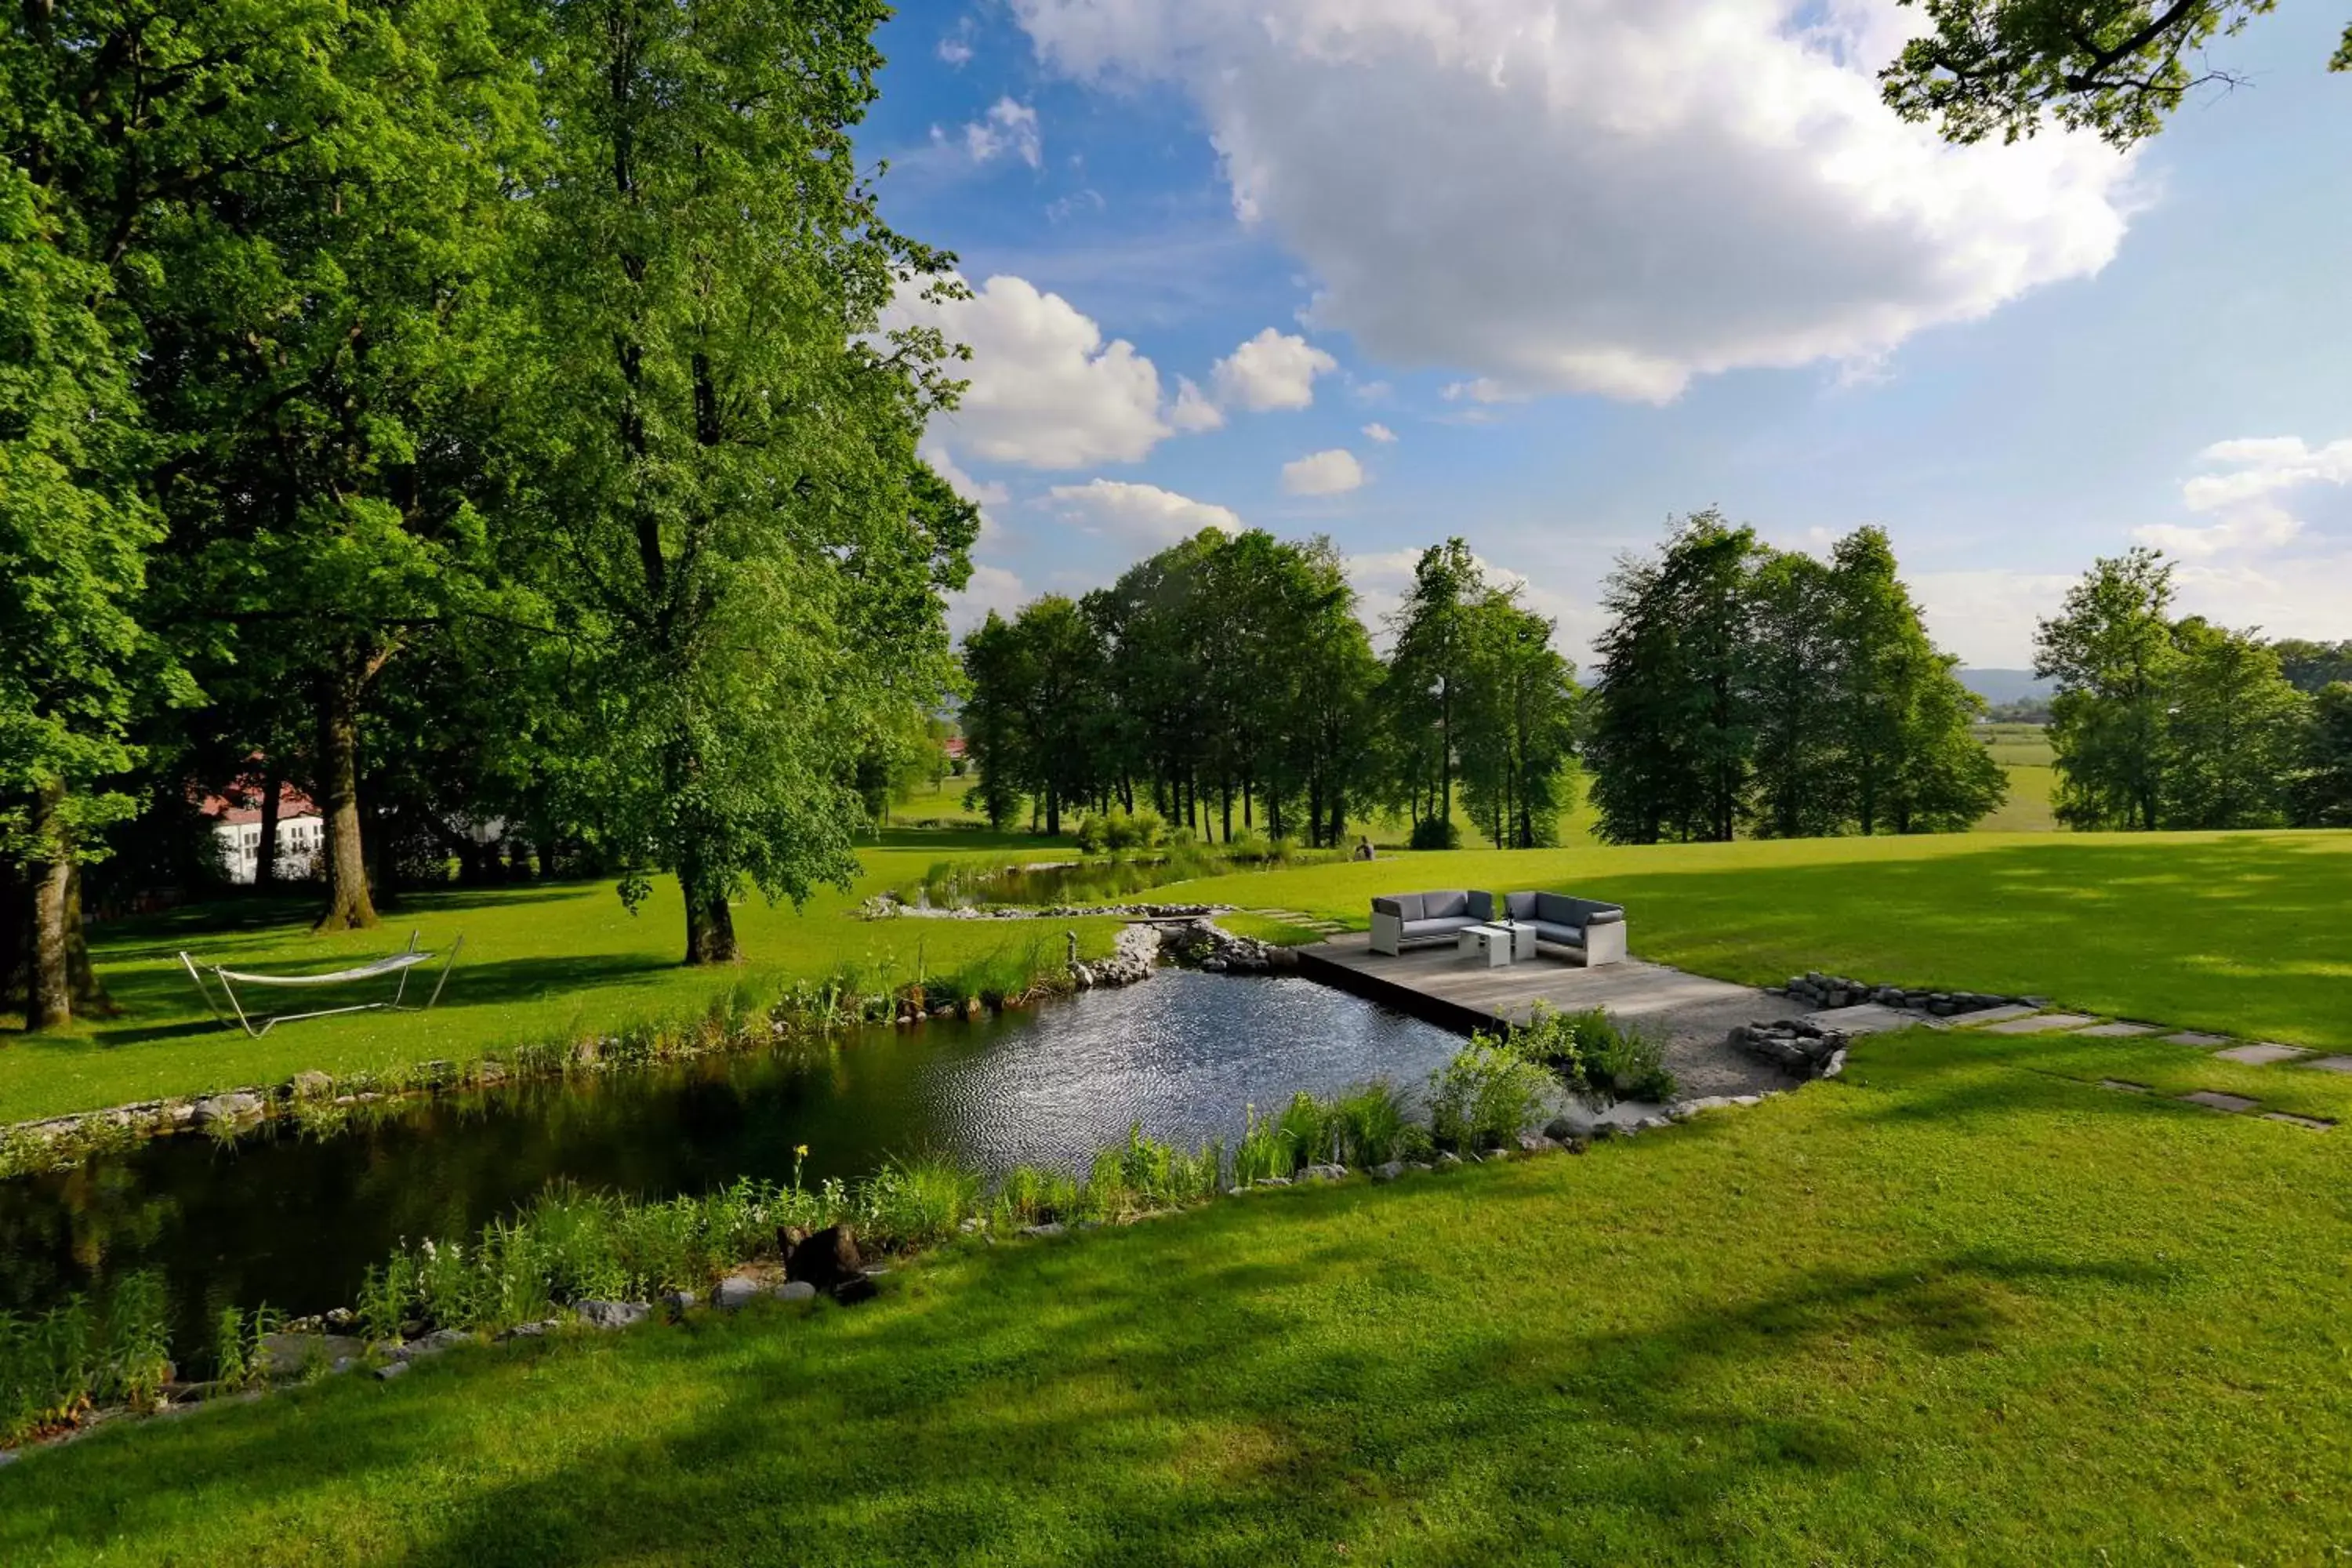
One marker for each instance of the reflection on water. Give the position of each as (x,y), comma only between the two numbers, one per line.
(294,1221)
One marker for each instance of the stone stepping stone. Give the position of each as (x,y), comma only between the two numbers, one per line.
(1983,1015)
(2124,1085)
(2332,1064)
(2262,1053)
(1869,1018)
(2041,1024)
(2191,1037)
(2316,1124)
(2214,1100)
(2118,1031)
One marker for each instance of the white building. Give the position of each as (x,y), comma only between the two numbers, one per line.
(301,835)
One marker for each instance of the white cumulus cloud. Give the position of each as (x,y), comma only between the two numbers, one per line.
(1046,391)
(1272,370)
(1142,515)
(1008,128)
(990,588)
(1608,196)
(1193,411)
(1381,433)
(1330,473)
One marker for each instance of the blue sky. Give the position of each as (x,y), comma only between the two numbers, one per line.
(1543,273)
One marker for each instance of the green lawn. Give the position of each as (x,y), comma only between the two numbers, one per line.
(1952,1308)
(541,964)
(2242,933)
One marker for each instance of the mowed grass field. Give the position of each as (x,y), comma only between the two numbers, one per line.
(1949,1309)
(2240,932)
(541,964)
(2237,933)
(2024,753)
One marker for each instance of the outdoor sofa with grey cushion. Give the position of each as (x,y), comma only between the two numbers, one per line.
(1412,920)
(1593,930)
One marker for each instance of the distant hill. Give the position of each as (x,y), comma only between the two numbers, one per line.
(2005,684)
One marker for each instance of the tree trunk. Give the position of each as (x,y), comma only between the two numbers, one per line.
(49,1002)
(88,993)
(15,938)
(710,924)
(344,858)
(265,853)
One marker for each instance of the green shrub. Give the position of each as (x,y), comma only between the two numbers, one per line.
(1625,1064)
(1374,1124)
(1436,833)
(1120,832)
(1487,1094)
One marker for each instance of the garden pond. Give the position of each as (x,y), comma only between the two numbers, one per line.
(293,1218)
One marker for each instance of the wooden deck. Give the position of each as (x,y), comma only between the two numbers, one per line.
(1437,983)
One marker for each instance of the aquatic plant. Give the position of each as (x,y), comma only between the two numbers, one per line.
(1374,1123)
(1265,1149)
(56,1364)
(1487,1094)
(1034,1195)
(1145,1174)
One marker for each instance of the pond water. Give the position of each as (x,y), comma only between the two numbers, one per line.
(295,1220)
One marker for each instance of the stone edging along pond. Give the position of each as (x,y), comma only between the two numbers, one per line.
(827,1263)
(328,1100)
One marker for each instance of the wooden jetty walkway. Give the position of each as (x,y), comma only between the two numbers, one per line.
(1439,985)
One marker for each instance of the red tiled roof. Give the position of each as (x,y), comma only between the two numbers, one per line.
(246,806)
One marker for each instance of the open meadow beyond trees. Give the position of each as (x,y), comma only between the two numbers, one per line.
(2237,933)
(1950,1308)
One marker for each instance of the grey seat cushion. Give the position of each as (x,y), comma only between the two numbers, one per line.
(1559,935)
(1558,908)
(1417,930)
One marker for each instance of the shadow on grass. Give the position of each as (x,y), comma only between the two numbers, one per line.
(1169,1410)
(497,984)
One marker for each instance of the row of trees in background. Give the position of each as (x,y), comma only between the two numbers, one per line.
(472,413)
(2162,721)
(1228,684)
(1746,689)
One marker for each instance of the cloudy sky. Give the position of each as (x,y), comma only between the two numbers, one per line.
(1544,273)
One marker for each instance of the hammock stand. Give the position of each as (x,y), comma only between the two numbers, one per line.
(398,963)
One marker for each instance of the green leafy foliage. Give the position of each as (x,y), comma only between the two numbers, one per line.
(54,1365)
(1216,686)
(1746,687)
(2323,796)
(734,523)
(1488,1094)
(2116,68)
(2159,723)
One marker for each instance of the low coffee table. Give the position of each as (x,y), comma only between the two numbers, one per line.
(1495,946)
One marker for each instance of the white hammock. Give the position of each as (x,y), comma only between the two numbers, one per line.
(398,963)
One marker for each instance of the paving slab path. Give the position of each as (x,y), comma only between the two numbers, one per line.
(2041,1024)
